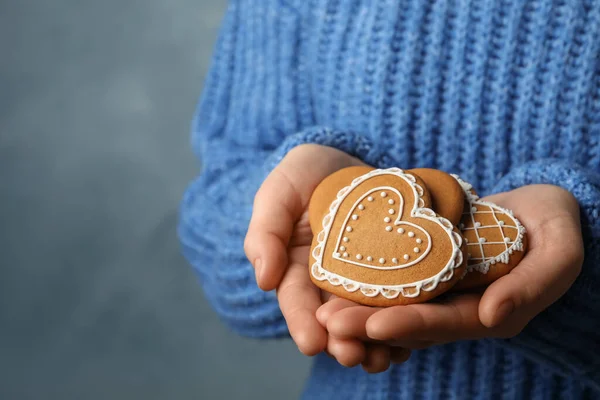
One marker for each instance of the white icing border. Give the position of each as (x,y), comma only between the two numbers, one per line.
(418,211)
(517,244)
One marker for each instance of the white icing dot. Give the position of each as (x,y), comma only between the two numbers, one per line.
(383,194)
(381,260)
(361,207)
(507,239)
(387,219)
(400,230)
(388,228)
(466,240)
(473,209)
(395,260)
(355,217)
(336,254)
(419,241)
(406,257)
(342,248)
(369,258)
(345,254)
(391,201)
(349,229)
(482,240)
(391,211)
(345,239)
(411,234)
(477,224)
(416,249)
(359,257)
(370,198)
(500,223)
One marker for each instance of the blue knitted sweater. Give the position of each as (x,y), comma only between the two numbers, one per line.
(503,92)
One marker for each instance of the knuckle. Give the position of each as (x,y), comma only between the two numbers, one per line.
(247,245)
(262,194)
(304,147)
(289,297)
(577,256)
(572,250)
(570,199)
(532,292)
(287,185)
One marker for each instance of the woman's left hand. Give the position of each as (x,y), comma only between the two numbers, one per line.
(551,265)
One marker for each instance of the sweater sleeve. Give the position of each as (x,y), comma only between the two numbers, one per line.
(566,336)
(214,217)
(250,115)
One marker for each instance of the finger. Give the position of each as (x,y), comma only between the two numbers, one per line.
(456,319)
(399,355)
(302,234)
(325,297)
(332,306)
(350,322)
(377,358)
(279,204)
(411,344)
(299,300)
(542,277)
(276,209)
(349,353)
(552,262)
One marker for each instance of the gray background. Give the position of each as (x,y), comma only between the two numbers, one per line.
(95,300)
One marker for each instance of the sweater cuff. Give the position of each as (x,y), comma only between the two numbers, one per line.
(351,143)
(582,183)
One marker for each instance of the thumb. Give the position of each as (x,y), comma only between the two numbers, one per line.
(541,278)
(279,204)
(276,210)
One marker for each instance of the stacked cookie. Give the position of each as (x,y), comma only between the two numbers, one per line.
(386,237)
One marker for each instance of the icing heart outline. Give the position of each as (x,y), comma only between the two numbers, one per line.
(516,245)
(418,210)
(397,222)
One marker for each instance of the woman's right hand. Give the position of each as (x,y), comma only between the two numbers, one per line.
(278,245)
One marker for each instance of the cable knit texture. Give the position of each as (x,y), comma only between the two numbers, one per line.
(505,93)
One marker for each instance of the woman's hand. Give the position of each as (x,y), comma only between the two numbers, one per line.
(551,265)
(278,244)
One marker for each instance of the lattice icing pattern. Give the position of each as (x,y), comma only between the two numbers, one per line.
(492,233)
(384,206)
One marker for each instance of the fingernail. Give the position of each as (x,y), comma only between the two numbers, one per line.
(257,268)
(503,312)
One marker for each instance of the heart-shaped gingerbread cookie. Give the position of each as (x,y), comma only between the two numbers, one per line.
(380,243)
(495,239)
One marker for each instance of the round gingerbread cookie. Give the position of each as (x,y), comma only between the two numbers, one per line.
(379,243)
(495,239)
(446,193)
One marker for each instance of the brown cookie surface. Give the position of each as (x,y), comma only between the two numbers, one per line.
(377,242)
(446,193)
(496,240)
(326,192)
